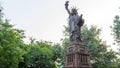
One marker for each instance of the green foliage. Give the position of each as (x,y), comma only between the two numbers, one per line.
(15,54)
(116,29)
(116,32)
(42,55)
(10,45)
(95,46)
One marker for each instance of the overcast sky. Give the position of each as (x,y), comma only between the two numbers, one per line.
(44,19)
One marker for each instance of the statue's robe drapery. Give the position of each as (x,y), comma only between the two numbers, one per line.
(73,20)
(74,28)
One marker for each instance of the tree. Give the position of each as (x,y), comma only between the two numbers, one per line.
(116,29)
(11,41)
(41,55)
(116,33)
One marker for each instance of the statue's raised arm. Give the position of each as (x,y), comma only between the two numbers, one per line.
(66,7)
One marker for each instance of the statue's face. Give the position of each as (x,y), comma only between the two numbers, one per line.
(74,11)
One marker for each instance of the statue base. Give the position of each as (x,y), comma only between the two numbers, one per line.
(77,57)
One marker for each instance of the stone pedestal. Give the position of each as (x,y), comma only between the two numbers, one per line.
(77,57)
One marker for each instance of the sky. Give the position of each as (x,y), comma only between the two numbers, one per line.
(44,19)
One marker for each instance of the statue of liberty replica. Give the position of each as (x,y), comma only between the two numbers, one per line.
(76,55)
(75,23)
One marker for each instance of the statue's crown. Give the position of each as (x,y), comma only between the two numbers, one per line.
(74,9)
